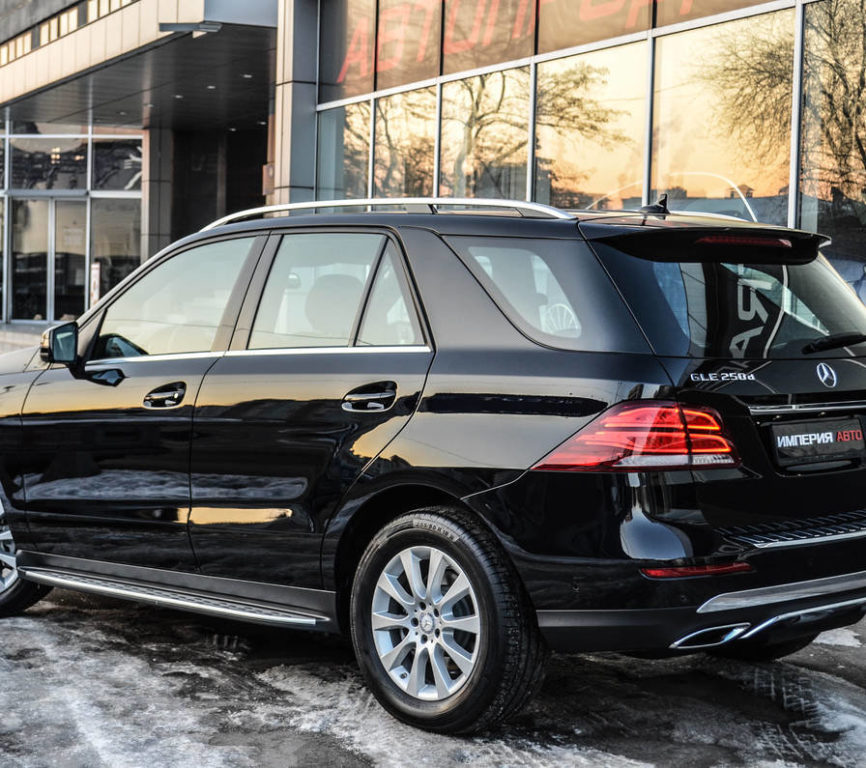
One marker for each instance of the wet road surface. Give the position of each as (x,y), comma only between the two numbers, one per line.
(92,682)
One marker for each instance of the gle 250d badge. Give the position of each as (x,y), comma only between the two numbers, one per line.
(723,376)
(826,375)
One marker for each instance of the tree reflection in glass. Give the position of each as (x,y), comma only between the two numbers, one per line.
(485,134)
(833,148)
(590,126)
(405,144)
(722,118)
(343,162)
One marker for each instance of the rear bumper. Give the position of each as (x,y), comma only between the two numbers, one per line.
(755,615)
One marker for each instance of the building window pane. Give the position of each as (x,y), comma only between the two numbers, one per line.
(485,135)
(29,259)
(590,125)
(116,164)
(47,129)
(2,243)
(408,43)
(48,163)
(478,33)
(405,144)
(344,152)
(833,172)
(564,23)
(70,224)
(346,49)
(115,241)
(722,118)
(673,12)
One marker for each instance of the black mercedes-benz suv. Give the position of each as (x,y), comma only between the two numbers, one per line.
(463,433)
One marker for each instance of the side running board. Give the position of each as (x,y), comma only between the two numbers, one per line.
(260,613)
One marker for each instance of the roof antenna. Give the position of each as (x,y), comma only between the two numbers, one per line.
(660,206)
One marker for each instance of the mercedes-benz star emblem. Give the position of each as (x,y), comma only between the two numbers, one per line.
(826,375)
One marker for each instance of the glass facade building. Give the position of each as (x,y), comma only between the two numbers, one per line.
(752,110)
(734,107)
(123,127)
(70,199)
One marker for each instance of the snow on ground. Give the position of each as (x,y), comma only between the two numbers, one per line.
(846,637)
(99,683)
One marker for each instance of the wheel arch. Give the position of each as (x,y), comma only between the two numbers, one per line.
(353,529)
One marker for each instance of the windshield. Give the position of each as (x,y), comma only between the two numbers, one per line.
(737,310)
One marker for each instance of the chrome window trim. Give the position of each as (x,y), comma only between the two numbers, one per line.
(780,593)
(769,410)
(110,361)
(413,348)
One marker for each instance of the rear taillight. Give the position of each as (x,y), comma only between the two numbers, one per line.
(687,571)
(632,437)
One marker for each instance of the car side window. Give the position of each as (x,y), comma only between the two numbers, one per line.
(389,317)
(176,307)
(314,290)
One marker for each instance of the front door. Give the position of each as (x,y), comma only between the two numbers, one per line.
(106,443)
(327,371)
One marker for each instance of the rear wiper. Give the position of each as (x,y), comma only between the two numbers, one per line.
(834,341)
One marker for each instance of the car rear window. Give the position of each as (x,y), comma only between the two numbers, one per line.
(554,291)
(729,309)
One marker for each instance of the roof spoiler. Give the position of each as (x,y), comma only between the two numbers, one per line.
(759,245)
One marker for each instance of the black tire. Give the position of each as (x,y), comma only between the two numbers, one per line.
(508,651)
(768,651)
(16,595)
(20,597)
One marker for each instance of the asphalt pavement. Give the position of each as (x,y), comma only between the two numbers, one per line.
(97,683)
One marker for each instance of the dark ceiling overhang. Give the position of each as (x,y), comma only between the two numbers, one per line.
(219,80)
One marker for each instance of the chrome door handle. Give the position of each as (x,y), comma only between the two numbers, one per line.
(356,401)
(165,397)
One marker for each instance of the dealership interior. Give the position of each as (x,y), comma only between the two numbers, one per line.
(126,124)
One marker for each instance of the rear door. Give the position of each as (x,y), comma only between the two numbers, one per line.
(106,444)
(327,365)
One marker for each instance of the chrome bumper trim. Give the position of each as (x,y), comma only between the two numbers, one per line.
(810,541)
(860,601)
(799,590)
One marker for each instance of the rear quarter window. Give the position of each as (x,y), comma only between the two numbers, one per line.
(554,291)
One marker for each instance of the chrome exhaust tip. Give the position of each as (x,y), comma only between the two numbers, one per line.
(711,637)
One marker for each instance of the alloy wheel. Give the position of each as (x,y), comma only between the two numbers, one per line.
(8,569)
(426,625)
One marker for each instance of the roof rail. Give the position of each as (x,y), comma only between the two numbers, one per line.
(411,204)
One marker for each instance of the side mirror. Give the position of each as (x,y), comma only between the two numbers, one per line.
(60,344)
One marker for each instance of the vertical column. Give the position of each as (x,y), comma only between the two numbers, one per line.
(156,191)
(647,192)
(295,102)
(796,119)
